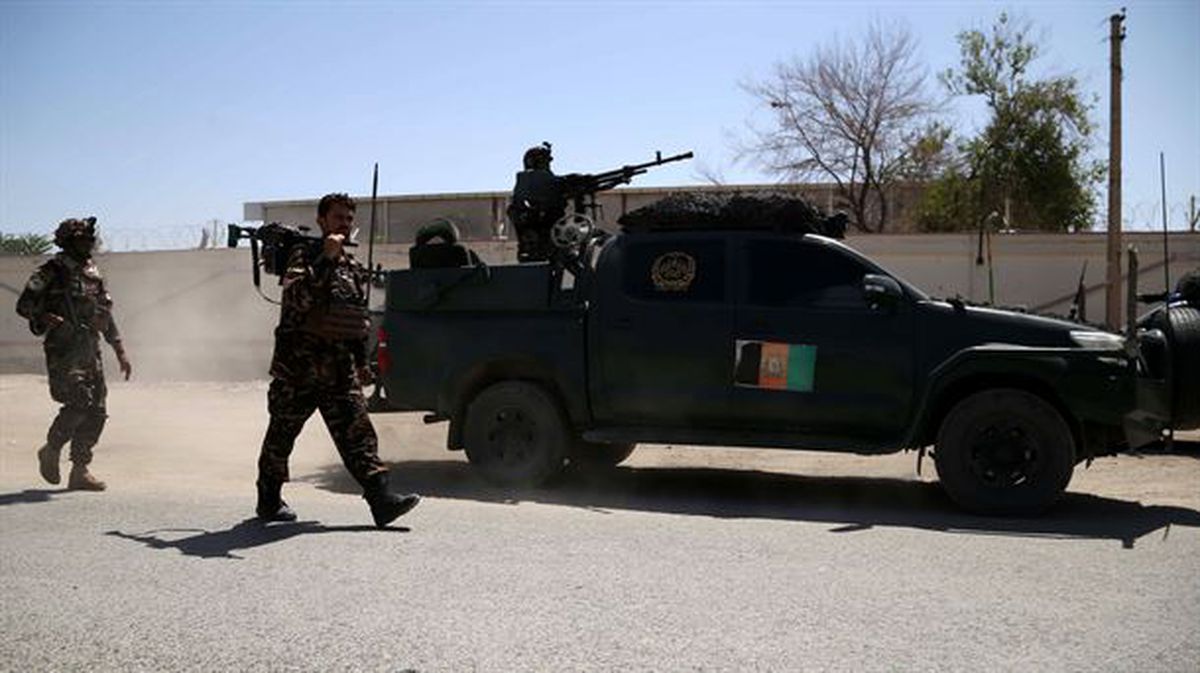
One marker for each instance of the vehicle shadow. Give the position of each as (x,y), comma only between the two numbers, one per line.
(1178,447)
(242,535)
(30,495)
(850,503)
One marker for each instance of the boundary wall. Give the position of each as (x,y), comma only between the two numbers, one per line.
(194,315)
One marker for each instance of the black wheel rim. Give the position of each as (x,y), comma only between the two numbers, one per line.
(1003,454)
(511,436)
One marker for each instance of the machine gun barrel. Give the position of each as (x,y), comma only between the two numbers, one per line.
(659,160)
(599,182)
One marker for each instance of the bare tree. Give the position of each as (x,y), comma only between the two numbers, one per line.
(852,112)
(709,174)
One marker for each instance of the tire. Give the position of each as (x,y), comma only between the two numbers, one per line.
(1004,452)
(1185,367)
(515,434)
(599,455)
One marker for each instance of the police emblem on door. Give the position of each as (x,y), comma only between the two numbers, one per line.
(673,272)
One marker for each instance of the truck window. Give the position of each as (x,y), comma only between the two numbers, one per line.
(675,271)
(798,274)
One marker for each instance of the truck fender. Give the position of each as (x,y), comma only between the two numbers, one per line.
(1037,370)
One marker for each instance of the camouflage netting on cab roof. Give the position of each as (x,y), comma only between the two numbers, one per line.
(735,210)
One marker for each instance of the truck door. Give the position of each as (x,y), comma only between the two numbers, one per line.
(661,329)
(810,354)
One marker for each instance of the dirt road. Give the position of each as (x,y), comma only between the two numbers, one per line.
(685,558)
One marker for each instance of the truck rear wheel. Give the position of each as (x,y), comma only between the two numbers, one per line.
(515,434)
(595,455)
(1004,451)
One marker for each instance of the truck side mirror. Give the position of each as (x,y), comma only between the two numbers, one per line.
(881,291)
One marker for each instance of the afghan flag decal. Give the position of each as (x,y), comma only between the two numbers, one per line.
(776,366)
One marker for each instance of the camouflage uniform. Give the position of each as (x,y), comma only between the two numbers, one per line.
(74,290)
(320,344)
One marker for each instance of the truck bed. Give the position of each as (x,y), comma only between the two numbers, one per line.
(449,327)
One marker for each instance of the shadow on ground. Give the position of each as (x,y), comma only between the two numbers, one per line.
(243,535)
(1177,447)
(30,495)
(850,503)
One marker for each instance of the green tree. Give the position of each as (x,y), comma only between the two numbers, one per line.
(25,244)
(1031,159)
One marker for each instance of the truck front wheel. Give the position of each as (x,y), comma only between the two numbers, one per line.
(515,434)
(1004,451)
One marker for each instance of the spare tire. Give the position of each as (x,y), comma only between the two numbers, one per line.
(1184,335)
(439,228)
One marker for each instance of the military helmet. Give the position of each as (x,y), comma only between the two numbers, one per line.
(538,156)
(74,228)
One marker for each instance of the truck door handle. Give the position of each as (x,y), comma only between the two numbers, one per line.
(623,323)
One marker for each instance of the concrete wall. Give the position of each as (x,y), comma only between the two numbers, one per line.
(481,215)
(194,315)
(478,216)
(1036,271)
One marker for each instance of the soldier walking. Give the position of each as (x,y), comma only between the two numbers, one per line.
(66,301)
(320,363)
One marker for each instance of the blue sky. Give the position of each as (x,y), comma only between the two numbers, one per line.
(160,115)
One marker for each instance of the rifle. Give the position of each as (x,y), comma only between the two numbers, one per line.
(581,188)
(371,232)
(277,241)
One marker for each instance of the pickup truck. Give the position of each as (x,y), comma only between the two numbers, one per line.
(764,336)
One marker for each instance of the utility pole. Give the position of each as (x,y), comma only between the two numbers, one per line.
(1192,218)
(1112,296)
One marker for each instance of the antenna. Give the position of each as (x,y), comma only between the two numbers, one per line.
(371,235)
(1162,177)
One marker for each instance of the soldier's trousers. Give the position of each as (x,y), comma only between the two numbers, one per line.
(82,393)
(345,414)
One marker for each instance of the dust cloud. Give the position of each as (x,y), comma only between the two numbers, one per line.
(185,315)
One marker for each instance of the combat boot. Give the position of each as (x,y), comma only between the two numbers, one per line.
(386,506)
(271,506)
(48,458)
(82,480)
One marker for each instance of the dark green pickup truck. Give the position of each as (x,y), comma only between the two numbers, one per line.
(756,336)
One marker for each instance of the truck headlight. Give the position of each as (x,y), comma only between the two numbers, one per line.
(1100,341)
